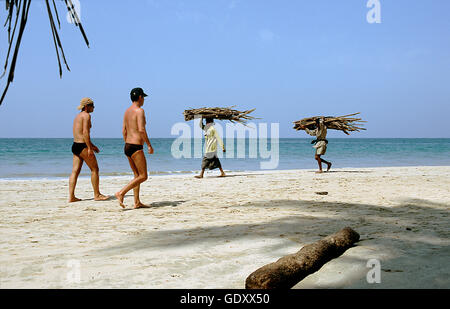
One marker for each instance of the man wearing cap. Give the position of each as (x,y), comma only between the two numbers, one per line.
(135,135)
(83,151)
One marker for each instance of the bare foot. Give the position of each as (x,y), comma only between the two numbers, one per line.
(120,199)
(222,175)
(198,176)
(329,166)
(319,172)
(74,199)
(101,197)
(140,205)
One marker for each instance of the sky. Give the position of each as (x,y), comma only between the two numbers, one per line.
(288,59)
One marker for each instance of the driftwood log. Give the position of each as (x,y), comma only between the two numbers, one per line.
(342,123)
(291,269)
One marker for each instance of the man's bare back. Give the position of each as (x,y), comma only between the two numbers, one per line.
(134,125)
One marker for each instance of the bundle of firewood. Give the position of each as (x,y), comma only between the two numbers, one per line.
(344,123)
(220,113)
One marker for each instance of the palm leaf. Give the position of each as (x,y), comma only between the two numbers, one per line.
(18,12)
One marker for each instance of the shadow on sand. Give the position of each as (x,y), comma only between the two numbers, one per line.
(406,223)
(156,205)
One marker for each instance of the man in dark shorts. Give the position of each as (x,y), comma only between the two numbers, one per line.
(210,159)
(135,135)
(83,151)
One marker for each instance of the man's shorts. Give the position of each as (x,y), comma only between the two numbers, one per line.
(321,148)
(211,163)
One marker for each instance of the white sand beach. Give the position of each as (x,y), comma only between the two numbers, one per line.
(214,232)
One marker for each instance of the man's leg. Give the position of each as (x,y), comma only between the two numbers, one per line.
(91,161)
(138,159)
(222,173)
(327,163)
(201,174)
(137,201)
(203,168)
(319,161)
(76,169)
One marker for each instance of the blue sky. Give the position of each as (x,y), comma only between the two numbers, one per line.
(287,59)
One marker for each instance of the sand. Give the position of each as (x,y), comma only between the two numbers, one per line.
(212,233)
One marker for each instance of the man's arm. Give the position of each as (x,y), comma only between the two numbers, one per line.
(311,132)
(124,131)
(219,139)
(142,131)
(86,133)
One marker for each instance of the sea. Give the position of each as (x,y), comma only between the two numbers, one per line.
(51,158)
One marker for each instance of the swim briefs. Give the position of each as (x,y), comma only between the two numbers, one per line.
(77,148)
(129,149)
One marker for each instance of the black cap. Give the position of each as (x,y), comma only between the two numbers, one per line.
(137,92)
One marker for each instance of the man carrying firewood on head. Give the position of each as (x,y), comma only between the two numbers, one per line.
(320,143)
(210,159)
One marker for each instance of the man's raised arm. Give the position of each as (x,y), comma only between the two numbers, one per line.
(313,132)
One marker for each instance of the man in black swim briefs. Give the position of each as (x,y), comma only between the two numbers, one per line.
(129,149)
(77,148)
(135,135)
(83,151)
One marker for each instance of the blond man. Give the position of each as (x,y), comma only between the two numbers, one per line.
(83,151)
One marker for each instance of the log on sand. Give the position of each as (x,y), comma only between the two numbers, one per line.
(291,269)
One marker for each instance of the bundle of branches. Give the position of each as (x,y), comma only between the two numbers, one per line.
(344,123)
(221,113)
(18,15)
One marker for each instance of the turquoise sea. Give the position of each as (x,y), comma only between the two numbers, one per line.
(22,158)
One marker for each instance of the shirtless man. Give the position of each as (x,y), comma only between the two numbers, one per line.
(135,135)
(83,151)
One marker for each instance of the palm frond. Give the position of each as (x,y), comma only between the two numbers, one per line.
(18,14)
